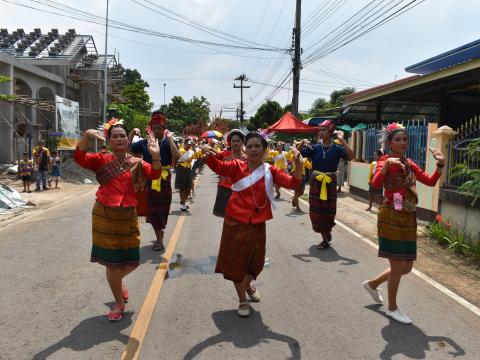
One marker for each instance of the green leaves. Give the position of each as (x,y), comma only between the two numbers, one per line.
(472,175)
(269,112)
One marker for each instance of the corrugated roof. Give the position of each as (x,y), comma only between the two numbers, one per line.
(380,87)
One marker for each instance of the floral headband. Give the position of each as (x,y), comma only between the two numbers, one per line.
(388,130)
(109,124)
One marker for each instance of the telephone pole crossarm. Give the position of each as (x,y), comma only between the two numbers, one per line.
(241,78)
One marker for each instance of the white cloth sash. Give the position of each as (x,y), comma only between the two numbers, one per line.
(186,156)
(253,178)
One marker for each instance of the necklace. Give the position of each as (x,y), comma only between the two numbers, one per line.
(257,208)
(122,163)
(325,152)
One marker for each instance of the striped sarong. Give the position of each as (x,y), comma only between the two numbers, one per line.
(242,249)
(115,236)
(397,234)
(322,212)
(158,203)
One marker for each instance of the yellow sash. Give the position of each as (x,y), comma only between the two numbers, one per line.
(157,184)
(324,179)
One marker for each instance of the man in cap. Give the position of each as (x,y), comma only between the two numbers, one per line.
(42,158)
(159,192)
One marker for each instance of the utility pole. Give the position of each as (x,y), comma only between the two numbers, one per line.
(296,57)
(242,78)
(105,73)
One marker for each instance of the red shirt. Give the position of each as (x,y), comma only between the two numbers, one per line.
(242,205)
(225,181)
(119,191)
(420,175)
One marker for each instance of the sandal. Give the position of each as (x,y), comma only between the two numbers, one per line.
(117,313)
(158,246)
(244,309)
(125,293)
(253,294)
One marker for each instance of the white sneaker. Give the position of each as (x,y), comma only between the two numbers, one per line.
(374,293)
(399,316)
(244,309)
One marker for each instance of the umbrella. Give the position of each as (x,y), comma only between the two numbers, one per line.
(211,134)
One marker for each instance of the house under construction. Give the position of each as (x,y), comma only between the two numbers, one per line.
(41,66)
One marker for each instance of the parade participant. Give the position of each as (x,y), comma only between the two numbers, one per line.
(159,191)
(279,159)
(323,182)
(371,171)
(115,229)
(184,178)
(397,221)
(300,190)
(242,247)
(235,139)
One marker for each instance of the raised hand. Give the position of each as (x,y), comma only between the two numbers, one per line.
(93,133)
(152,146)
(437,154)
(340,135)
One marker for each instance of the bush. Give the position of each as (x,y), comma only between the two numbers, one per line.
(439,230)
(457,241)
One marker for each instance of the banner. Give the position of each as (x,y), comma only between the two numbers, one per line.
(68,123)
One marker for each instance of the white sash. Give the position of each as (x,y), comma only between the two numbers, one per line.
(186,156)
(257,175)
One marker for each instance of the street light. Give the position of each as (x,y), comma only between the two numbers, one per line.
(164,85)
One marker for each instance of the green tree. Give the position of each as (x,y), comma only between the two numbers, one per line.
(338,96)
(5,97)
(183,113)
(268,113)
(137,97)
(132,117)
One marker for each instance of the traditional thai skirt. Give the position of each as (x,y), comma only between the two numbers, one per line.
(322,212)
(221,201)
(115,235)
(183,178)
(242,249)
(158,203)
(397,234)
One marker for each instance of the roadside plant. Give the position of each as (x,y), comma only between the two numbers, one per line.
(439,230)
(457,241)
(474,250)
(469,171)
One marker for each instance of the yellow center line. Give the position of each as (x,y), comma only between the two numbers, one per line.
(132,350)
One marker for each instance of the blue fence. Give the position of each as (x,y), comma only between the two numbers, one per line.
(417,141)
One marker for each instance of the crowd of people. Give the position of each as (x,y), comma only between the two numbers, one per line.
(251,173)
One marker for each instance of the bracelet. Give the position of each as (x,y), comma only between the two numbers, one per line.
(440,165)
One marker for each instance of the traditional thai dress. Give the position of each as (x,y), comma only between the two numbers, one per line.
(183,175)
(397,220)
(242,246)
(224,190)
(159,191)
(115,229)
(323,184)
(307,164)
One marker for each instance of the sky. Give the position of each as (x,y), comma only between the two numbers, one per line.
(188,69)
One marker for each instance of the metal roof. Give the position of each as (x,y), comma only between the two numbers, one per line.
(460,55)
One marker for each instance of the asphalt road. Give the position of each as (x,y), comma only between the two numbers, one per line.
(53,301)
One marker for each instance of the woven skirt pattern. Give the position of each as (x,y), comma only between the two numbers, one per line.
(183,178)
(242,249)
(322,212)
(397,234)
(115,235)
(158,204)
(221,201)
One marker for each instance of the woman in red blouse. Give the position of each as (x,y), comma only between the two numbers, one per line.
(115,230)
(242,248)
(397,221)
(235,140)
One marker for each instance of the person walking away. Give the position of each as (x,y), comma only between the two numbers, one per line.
(115,228)
(41,156)
(325,157)
(55,163)
(371,191)
(235,140)
(397,220)
(26,171)
(159,191)
(241,255)
(184,178)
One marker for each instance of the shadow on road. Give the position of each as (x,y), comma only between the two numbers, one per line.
(243,333)
(411,341)
(89,333)
(328,255)
(147,255)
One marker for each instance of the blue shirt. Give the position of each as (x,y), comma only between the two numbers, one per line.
(332,155)
(140,147)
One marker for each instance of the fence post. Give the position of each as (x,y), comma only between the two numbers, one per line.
(443,135)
